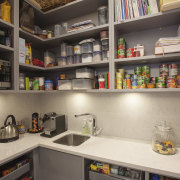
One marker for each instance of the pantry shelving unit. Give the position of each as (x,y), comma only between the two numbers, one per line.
(144,30)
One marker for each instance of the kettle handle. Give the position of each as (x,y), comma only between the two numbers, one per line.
(13,120)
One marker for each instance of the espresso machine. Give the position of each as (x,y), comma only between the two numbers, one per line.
(53,124)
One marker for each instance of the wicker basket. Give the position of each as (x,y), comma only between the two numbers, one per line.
(51,4)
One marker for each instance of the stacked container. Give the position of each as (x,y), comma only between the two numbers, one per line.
(97,51)
(62,58)
(77,54)
(105,45)
(70,55)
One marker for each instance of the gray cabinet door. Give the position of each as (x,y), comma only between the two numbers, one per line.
(54,165)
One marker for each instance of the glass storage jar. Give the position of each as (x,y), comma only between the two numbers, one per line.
(164,140)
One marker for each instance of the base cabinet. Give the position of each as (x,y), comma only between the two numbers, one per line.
(55,165)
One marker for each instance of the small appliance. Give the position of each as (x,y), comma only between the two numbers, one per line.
(53,124)
(9,132)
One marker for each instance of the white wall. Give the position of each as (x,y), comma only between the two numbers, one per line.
(123,115)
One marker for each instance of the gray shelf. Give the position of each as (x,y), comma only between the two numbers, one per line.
(47,92)
(149,22)
(5,24)
(23,66)
(148,59)
(4,48)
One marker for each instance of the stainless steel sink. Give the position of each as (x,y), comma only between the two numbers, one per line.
(72,140)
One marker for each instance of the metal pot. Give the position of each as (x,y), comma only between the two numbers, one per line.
(9,132)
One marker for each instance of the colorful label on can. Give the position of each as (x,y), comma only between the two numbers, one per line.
(138,70)
(146,71)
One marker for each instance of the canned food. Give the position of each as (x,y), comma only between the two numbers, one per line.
(173,70)
(178,79)
(161,80)
(128,84)
(121,53)
(138,70)
(128,76)
(119,84)
(134,77)
(121,71)
(141,82)
(134,84)
(150,85)
(27,83)
(146,71)
(130,52)
(36,84)
(164,71)
(121,43)
(41,83)
(124,84)
(171,82)
(147,79)
(48,85)
(160,85)
(153,80)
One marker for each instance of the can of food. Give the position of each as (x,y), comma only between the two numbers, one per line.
(121,43)
(161,80)
(134,77)
(178,79)
(171,82)
(119,75)
(134,84)
(77,49)
(41,83)
(124,83)
(36,84)
(173,70)
(160,85)
(128,84)
(153,80)
(48,85)
(121,53)
(119,84)
(138,70)
(121,71)
(128,76)
(150,85)
(147,79)
(163,69)
(130,52)
(146,71)
(27,83)
(141,83)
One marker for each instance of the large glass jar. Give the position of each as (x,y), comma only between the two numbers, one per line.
(164,140)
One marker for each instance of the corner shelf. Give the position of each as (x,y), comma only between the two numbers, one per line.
(149,21)
(5,24)
(4,48)
(30,67)
(173,57)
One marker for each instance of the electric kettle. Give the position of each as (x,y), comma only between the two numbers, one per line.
(9,132)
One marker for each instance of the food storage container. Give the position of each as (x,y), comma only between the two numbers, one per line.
(64,84)
(82,84)
(105,42)
(104,35)
(105,47)
(65,27)
(103,15)
(62,61)
(97,56)
(87,47)
(96,46)
(104,56)
(86,58)
(63,49)
(49,58)
(70,50)
(57,30)
(70,60)
(21,81)
(77,49)
(77,58)
(85,73)
(163,140)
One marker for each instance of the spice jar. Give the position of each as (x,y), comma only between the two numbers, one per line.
(101,82)
(163,140)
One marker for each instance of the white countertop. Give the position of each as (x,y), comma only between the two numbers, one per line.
(132,154)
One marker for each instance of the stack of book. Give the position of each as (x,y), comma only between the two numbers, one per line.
(166,5)
(81,25)
(128,9)
(167,45)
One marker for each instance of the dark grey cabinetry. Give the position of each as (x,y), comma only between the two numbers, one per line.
(55,165)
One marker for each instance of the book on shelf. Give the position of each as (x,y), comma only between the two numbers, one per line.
(129,9)
(166,5)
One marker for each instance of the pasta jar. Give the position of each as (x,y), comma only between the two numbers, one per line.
(164,71)
(171,82)
(101,82)
(163,140)
(173,70)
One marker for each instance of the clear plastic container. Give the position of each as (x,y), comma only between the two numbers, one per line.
(105,47)
(82,84)
(105,42)
(104,35)
(70,50)
(63,49)
(164,140)
(62,61)
(87,47)
(57,30)
(70,60)
(77,49)
(64,84)
(96,46)
(104,55)
(103,15)
(97,56)
(85,73)
(87,58)
(77,59)
(49,58)
(65,27)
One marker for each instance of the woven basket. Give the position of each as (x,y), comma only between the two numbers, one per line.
(51,4)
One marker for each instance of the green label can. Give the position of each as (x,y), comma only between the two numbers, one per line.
(146,71)
(138,70)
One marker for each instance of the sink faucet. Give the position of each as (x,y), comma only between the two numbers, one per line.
(92,121)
